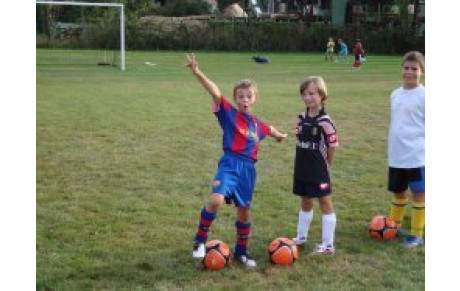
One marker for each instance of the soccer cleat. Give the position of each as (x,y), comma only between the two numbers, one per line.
(198,250)
(246,260)
(323,250)
(299,241)
(412,241)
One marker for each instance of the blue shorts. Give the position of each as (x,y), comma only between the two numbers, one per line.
(401,179)
(235,179)
(343,52)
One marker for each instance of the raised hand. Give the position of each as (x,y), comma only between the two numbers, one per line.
(191,62)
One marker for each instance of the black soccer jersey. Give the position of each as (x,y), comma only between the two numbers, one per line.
(314,136)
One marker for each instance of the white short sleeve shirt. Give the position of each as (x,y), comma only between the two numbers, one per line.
(406,139)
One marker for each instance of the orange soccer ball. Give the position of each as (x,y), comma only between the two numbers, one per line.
(282,251)
(382,228)
(217,255)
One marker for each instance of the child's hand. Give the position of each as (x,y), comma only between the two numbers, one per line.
(281,137)
(192,63)
(277,135)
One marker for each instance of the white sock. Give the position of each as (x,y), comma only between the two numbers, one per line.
(329,221)
(303,225)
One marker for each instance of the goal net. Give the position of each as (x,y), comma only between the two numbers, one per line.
(80,34)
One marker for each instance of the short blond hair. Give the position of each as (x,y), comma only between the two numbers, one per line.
(246,84)
(319,82)
(415,56)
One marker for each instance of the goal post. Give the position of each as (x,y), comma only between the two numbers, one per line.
(115,5)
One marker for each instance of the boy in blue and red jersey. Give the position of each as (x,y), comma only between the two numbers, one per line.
(236,174)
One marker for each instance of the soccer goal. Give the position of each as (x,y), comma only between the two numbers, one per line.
(80,33)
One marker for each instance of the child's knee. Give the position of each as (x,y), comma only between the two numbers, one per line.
(243,215)
(401,195)
(307,204)
(214,203)
(325,203)
(419,196)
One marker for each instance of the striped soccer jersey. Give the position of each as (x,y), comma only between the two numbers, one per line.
(242,132)
(314,136)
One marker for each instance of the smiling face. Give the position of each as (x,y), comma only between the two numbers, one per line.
(245,98)
(313,92)
(411,72)
(312,97)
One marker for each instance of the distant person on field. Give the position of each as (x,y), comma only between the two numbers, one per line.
(316,142)
(236,174)
(358,51)
(406,148)
(343,51)
(329,49)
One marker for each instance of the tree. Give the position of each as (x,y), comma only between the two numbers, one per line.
(185,7)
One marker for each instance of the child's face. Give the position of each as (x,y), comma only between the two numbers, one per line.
(245,99)
(411,72)
(311,97)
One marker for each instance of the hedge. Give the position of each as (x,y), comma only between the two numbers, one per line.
(244,34)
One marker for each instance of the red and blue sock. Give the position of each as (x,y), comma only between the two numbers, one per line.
(203,227)
(242,236)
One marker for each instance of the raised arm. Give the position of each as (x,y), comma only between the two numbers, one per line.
(212,88)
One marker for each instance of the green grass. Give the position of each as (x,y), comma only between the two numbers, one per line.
(125,162)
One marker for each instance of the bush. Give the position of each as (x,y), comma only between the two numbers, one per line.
(179,8)
(247,34)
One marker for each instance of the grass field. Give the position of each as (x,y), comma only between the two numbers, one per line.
(125,161)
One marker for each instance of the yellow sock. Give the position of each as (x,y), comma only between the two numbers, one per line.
(418,219)
(398,207)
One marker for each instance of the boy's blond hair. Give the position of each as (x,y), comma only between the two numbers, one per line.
(245,84)
(319,82)
(415,56)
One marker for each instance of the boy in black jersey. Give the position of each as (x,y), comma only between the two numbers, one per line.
(316,142)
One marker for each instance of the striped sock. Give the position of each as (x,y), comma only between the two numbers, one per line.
(398,207)
(203,227)
(418,219)
(242,236)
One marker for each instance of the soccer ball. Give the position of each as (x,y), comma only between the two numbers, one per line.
(382,228)
(217,255)
(282,251)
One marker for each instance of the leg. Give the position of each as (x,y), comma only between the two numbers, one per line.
(418,214)
(415,238)
(417,186)
(214,202)
(398,207)
(208,214)
(328,219)
(398,183)
(305,218)
(243,231)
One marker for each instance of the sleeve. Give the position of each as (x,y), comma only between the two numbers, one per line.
(332,138)
(223,108)
(264,129)
(224,105)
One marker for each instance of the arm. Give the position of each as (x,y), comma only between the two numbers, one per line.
(276,134)
(330,156)
(212,88)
